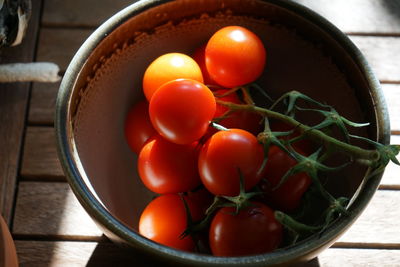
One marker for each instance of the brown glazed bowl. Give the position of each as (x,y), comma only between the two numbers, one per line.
(304,52)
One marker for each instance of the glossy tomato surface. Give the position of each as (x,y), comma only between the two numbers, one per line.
(286,197)
(165,167)
(169,67)
(254,230)
(181,110)
(235,56)
(225,157)
(164,220)
(138,127)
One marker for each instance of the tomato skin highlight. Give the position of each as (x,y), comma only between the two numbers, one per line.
(138,128)
(164,220)
(225,156)
(286,197)
(254,230)
(165,167)
(235,56)
(169,67)
(181,110)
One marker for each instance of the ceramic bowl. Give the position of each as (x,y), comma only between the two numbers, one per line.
(304,52)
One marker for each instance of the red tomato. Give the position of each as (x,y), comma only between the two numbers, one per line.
(227,154)
(165,167)
(235,56)
(138,128)
(181,110)
(199,57)
(254,230)
(242,119)
(169,67)
(286,197)
(164,219)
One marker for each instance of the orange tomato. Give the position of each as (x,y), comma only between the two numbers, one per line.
(169,67)
(235,56)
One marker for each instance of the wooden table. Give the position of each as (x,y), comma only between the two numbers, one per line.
(50,227)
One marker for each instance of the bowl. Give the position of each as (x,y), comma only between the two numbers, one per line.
(305,52)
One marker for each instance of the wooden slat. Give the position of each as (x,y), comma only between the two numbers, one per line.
(88,13)
(42,104)
(44,96)
(391,177)
(378,224)
(40,158)
(13,103)
(392,96)
(51,210)
(359,16)
(53,254)
(383,54)
(334,257)
(90,254)
(372,16)
(59,45)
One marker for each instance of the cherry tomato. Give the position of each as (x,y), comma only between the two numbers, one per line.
(226,156)
(199,57)
(286,197)
(169,67)
(241,119)
(138,127)
(164,219)
(165,167)
(235,56)
(181,110)
(254,230)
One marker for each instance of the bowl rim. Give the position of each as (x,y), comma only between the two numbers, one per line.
(75,174)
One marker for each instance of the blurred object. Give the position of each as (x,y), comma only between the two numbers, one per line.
(14,18)
(8,254)
(29,72)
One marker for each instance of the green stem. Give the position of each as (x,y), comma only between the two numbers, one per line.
(315,134)
(246,96)
(294,225)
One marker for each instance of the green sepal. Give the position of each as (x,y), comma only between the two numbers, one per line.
(242,200)
(310,165)
(332,117)
(386,153)
(291,98)
(262,91)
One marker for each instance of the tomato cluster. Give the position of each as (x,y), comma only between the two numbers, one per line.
(187,162)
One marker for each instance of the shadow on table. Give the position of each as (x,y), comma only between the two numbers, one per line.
(392,7)
(109,254)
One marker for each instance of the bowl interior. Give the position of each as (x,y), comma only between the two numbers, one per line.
(300,56)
